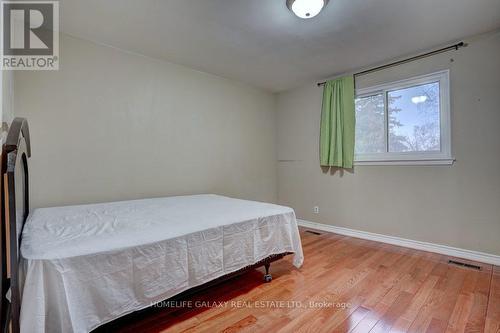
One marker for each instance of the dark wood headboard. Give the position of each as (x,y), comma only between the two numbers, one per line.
(14,212)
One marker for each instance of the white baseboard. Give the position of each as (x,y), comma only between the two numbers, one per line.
(418,245)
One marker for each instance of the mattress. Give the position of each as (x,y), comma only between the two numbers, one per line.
(86,265)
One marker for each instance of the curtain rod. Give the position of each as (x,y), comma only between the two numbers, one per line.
(404,61)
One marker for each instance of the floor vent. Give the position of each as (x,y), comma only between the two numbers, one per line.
(313,232)
(463,264)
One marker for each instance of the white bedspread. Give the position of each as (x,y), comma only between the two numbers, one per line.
(87,265)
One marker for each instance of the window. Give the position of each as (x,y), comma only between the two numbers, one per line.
(404,122)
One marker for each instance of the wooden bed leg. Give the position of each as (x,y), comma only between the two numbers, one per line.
(267,277)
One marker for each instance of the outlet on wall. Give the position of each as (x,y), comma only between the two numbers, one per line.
(316,209)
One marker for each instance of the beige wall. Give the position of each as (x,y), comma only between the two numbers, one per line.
(7,99)
(455,205)
(111,125)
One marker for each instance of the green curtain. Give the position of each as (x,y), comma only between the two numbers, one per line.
(337,123)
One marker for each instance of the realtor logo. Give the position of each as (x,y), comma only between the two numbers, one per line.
(30,35)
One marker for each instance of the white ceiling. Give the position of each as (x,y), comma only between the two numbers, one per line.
(262,43)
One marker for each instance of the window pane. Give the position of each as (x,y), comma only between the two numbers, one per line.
(414,119)
(370,120)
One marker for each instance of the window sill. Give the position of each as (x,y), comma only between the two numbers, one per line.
(447,161)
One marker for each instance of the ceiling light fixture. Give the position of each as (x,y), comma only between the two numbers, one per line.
(306,8)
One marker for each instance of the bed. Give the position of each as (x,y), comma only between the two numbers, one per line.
(74,268)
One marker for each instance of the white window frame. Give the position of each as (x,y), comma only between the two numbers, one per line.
(442,157)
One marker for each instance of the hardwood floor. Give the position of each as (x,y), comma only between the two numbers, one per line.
(345,285)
